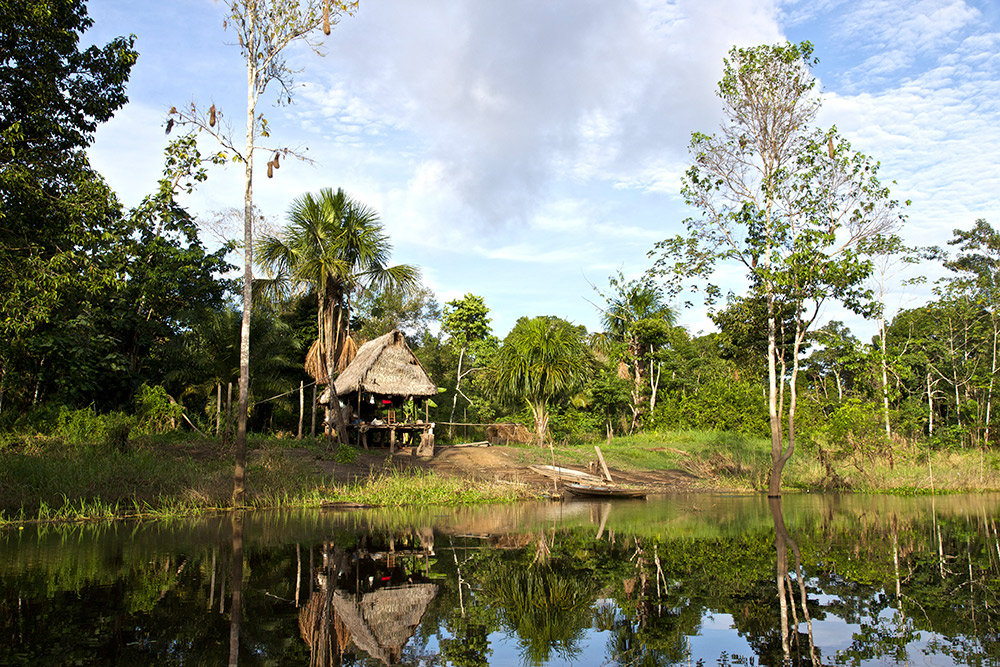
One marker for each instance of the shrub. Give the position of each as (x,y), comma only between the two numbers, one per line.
(720,405)
(155,411)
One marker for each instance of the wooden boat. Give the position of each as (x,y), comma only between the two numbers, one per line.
(586,491)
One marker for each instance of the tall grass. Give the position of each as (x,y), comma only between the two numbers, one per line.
(162,477)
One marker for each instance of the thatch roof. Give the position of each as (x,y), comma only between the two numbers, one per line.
(316,361)
(384,620)
(386,366)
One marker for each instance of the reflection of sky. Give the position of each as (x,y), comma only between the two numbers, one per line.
(718,636)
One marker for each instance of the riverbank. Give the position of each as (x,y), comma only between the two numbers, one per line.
(44,479)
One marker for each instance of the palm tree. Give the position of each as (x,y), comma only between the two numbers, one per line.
(334,246)
(637,318)
(541,359)
(208,356)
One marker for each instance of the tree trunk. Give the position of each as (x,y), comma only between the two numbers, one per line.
(312,426)
(338,414)
(930,407)
(774,481)
(244,399)
(989,390)
(454,399)
(236,606)
(302,407)
(885,381)
(654,385)
(541,417)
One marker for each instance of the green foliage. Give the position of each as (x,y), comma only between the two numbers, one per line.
(54,208)
(335,247)
(410,311)
(155,412)
(345,454)
(573,425)
(717,405)
(466,320)
(542,360)
(81,427)
(792,205)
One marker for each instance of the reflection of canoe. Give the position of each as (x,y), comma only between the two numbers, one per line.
(566,474)
(604,491)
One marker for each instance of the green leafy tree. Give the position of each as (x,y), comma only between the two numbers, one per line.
(466,325)
(541,360)
(411,311)
(53,206)
(637,321)
(208,356)
(977,281)
(792,204)
(335,247)
(838,358)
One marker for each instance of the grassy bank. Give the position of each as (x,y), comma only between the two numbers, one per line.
(721,460)
(45,479)
(50,479)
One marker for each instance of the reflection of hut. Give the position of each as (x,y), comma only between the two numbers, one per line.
(385,388)
(372,597)
(381,622)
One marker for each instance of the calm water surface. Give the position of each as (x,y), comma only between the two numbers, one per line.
(691,580)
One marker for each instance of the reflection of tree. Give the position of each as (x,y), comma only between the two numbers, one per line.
(470,645)
(649,644)
(790,636)
(548,606)
(236,606)
(898,585)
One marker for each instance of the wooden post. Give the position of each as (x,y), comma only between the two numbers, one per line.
(312,429)
(218,407)
(604,466)
(392,439)
(229,410)
(302,407)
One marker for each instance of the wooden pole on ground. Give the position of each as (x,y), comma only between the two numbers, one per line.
(218,407)
(604,466)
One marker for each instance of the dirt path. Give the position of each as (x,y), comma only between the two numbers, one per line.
(490,463)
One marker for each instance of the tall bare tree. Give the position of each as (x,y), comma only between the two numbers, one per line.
(791,203)
(264,29)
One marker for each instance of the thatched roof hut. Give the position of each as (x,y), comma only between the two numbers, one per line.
(385,366)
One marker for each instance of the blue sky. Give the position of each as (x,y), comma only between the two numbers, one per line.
(524,150)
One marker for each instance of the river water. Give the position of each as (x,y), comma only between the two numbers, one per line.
(687,580)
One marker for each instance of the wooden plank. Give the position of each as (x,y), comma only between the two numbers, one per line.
(565,474)
(604,466)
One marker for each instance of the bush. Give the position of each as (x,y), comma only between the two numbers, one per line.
(575,426)
(86,428)
(720,405)
(155,411)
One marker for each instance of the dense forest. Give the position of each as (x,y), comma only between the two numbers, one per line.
(112,311)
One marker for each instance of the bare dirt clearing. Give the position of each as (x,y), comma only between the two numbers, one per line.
(509,464)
